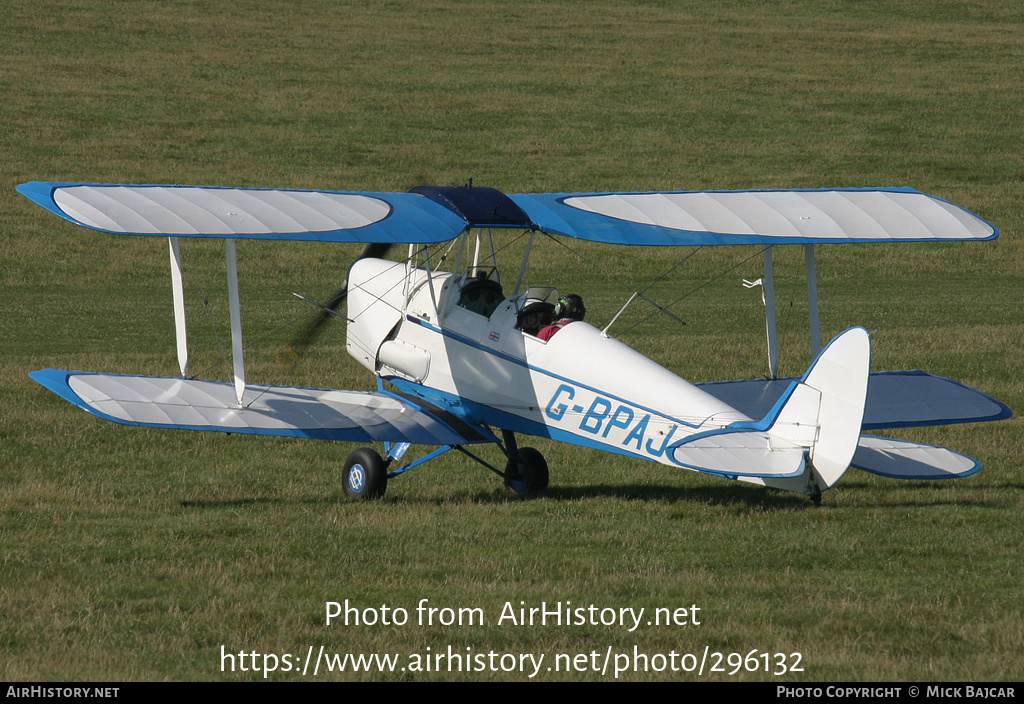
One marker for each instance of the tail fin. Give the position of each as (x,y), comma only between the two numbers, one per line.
(807,441)
(830,397)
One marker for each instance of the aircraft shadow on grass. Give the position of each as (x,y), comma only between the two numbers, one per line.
(735,496)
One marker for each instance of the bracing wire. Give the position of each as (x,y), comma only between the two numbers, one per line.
(692,291)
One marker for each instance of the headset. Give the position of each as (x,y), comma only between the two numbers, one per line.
(570,306)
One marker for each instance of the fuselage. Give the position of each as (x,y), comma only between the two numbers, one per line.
(424,334)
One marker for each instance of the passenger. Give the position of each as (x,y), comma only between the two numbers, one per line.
(568,310)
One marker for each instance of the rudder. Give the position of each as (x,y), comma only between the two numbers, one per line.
(826,408)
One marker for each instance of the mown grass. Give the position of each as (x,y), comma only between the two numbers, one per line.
(132,554)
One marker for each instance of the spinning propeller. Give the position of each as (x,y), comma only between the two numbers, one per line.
(375,250)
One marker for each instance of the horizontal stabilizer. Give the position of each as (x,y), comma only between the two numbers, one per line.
(741,453)
(900,459)
(895,399)
(195,404)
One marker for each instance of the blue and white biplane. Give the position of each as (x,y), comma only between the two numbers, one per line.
(459,351)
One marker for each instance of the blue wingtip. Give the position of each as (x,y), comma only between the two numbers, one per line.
(41,193)
(56,380)
(36,191)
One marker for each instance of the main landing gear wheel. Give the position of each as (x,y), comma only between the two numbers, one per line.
(365,476)
(529,475)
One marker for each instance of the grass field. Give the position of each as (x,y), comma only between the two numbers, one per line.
(133,554)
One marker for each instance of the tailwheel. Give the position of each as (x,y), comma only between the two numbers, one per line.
(529,475)
(365,475)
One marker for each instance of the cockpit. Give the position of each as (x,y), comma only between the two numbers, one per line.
(481,293)
(471,301)
(537,310)
(475,305)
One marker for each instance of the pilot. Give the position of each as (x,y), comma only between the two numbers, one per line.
(569,309)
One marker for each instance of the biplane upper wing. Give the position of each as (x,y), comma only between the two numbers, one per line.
(437,214)
(195,404)
(817,216)
(249,213)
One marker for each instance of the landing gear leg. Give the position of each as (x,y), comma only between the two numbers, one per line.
(526,471)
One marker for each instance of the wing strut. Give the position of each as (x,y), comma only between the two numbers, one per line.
(526,258)
(767,283)
(237,360)
(811,273)
(179,305)
(177,286)
(768,289)
(430,282)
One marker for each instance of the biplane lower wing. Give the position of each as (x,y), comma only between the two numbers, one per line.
(894,400)
(195,404)
(899,399)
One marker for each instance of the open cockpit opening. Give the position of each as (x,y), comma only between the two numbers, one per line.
(481,293)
